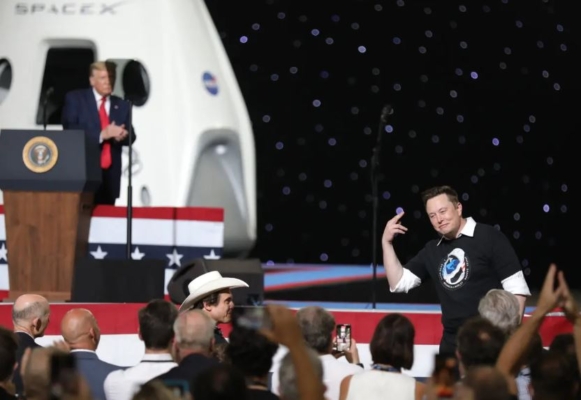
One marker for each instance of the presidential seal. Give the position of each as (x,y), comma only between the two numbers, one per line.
(40,154)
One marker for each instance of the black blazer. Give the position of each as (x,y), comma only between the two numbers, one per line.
(25,341)
(81,112)
(188,369)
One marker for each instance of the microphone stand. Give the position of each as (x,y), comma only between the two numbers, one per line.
(387,110)
(44,106)
(129,180)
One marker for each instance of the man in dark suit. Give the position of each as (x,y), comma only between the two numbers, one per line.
(193,344)
(30,317)
(105,119)
(81,332)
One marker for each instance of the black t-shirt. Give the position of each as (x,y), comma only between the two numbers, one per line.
(464,270)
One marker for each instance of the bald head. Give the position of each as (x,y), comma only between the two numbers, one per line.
(194,330)
(30,313)
(80,330)
(29,306)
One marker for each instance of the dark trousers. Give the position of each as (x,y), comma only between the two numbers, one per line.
(448,343)
(103,195)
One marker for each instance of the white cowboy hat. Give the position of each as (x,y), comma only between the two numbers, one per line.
(208,283)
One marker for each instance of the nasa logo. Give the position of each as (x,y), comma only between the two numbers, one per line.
(210,83)
(40,154)
(454,270)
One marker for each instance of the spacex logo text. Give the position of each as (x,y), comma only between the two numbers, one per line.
(69,8)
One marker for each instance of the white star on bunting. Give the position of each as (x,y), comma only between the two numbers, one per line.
(175,258)
(137,255)
(99,254)
(3,252)
(211,256)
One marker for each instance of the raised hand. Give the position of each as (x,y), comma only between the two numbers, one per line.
(569,304)
(393,228)
(549,298)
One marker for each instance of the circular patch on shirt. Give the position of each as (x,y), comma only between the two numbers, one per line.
(454,270)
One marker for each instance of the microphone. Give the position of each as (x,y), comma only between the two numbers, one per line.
(47,95)
(386,111)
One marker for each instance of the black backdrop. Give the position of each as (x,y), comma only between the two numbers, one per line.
(485,96)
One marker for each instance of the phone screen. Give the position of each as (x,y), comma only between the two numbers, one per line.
(343,337)
(63,375)
(250,317)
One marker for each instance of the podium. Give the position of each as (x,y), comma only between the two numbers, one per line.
(48,179)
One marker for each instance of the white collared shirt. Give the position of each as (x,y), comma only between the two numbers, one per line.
(467,230)
(124,383)
(82,351)
(515,284)
(98,98)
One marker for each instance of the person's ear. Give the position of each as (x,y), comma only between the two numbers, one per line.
(37,324)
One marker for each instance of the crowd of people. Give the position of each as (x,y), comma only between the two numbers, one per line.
(498,355)
(488,350)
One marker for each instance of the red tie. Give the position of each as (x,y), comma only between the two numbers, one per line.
(106,150)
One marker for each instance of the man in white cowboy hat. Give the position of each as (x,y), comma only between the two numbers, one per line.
(212,294)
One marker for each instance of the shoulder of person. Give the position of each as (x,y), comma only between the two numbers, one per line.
(488,229)
(76,92)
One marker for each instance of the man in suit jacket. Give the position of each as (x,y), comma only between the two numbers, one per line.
(30,317)
(105,119)
(81,332)
(193,344)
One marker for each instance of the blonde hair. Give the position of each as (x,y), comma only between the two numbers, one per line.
(103,66)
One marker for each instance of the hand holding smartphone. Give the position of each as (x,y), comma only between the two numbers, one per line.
(343,337)
(251,317)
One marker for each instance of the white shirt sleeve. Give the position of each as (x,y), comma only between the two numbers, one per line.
(516,284)
(407,282)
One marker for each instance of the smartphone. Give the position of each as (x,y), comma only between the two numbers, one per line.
(343,337)
(179,388)
(64,378)
(251,317)
(446,374)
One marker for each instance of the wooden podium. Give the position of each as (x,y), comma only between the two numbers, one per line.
(48,179)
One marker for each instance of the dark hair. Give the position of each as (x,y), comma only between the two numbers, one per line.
(8,346)
(393,342)
(250,352)
(156,321)
(479,342)
(317,325)
(554,376)
(563,343)
(212,299)
(438,190)
(220,382)
(487,383)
